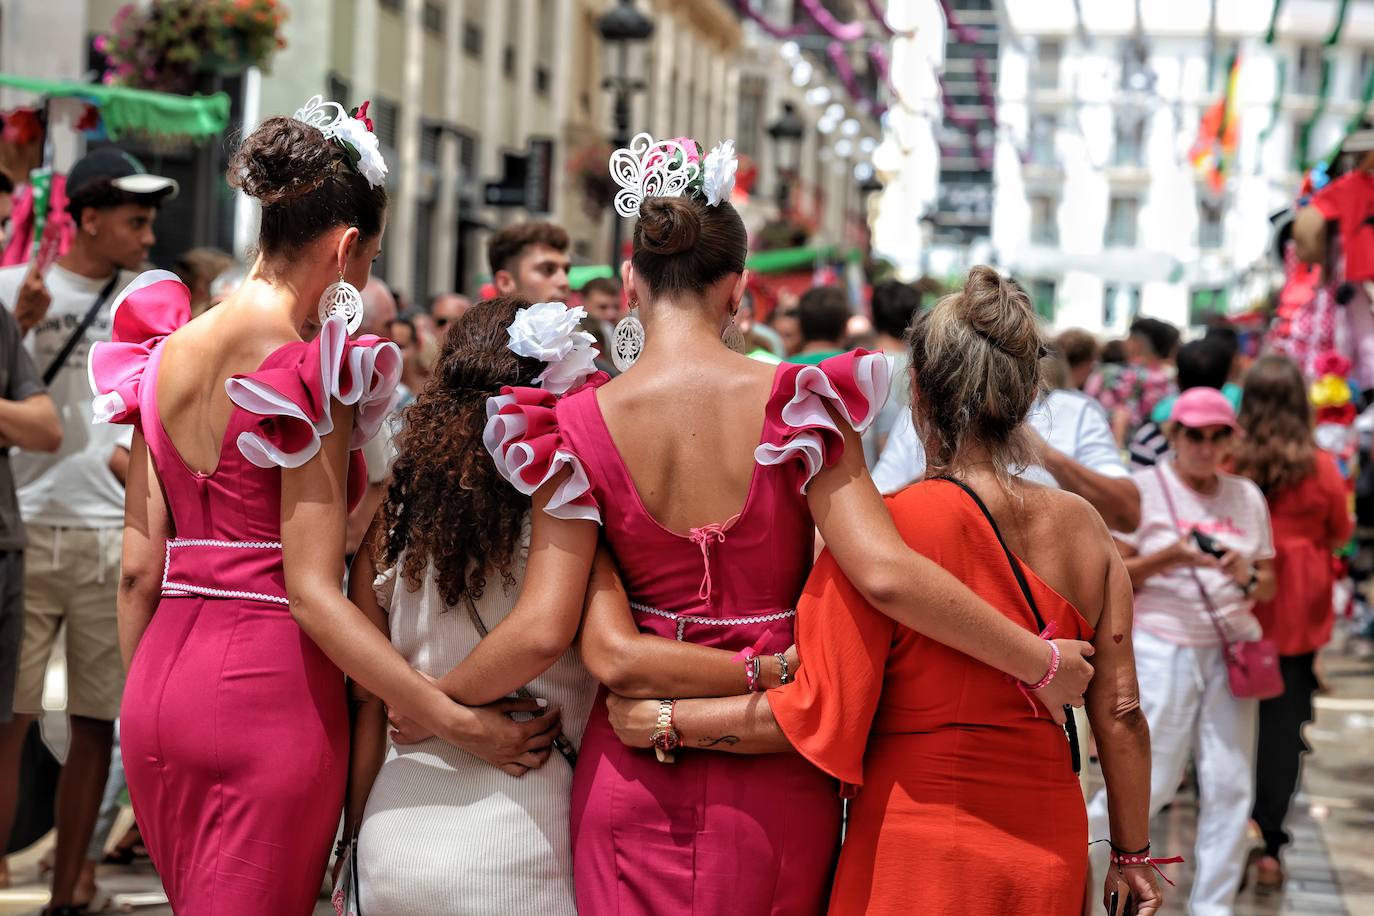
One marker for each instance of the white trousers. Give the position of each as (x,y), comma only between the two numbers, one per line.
(1186,700)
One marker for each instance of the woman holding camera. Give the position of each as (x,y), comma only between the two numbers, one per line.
(1201,558)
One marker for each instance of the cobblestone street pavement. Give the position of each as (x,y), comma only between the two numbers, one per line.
(1330,866)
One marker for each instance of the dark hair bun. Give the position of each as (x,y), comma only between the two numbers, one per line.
(282,160)
(668,225)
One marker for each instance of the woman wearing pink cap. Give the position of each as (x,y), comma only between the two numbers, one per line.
(1201,558)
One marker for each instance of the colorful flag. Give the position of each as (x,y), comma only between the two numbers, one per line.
(1214,152)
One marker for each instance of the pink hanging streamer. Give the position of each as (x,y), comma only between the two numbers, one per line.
(836,52)
(961,31)
(840,31)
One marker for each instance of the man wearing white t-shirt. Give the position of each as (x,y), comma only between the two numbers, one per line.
(1077,453)
(73,501)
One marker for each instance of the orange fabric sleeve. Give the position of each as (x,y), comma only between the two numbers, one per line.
(843,643)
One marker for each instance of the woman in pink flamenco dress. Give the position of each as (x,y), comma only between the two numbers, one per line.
(708,473)
(246,458)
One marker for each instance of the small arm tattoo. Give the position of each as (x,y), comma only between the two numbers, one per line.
(723,739)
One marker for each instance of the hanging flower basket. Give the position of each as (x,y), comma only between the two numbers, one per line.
(589,168)
(170,45)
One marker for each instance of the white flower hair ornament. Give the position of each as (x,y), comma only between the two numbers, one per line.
(549,332)
(718,180)
(352,131)
(671,168)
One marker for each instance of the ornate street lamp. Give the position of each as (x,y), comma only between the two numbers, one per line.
(624,29)
(787,133)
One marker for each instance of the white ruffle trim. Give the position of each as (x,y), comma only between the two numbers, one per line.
(374,372)
(502,437)
(807,410)
(107,406)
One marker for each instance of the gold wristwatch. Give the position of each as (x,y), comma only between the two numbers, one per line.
(666,738)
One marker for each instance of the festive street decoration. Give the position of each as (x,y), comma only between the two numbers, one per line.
(138,111)
(1214,151)
(171,44)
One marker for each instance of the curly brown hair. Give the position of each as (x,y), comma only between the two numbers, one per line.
(447,503)
(1278,450)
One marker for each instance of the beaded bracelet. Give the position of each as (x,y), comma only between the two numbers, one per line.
(753,667)
(1053,669)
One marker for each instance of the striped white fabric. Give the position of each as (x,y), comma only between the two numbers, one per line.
(445,832)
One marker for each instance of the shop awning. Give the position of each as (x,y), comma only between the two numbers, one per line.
(139,111)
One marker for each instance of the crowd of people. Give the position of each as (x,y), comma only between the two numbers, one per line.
(583,660)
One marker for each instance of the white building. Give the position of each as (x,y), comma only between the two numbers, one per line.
(1098,208)
(1089,195)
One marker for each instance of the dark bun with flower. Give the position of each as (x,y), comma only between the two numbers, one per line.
(306,183)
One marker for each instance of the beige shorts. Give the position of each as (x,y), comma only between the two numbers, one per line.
(71,576)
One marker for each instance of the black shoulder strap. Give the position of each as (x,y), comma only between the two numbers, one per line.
(1011,558)
(1070,726)
(60,359)
(563,743)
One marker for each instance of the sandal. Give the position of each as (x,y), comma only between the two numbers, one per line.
(1269,874)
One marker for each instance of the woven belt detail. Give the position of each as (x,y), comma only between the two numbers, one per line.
(683,619)
(176,589)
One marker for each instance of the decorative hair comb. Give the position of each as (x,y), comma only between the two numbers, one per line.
(352,130)
(671,168)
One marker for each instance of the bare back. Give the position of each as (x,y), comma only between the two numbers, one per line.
(230,339)
(1058,535)
(687,430)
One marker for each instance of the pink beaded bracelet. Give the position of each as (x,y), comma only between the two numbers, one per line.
(1053,670)
(753,665)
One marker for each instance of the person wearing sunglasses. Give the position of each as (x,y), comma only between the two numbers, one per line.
(1200,559)
(445,309)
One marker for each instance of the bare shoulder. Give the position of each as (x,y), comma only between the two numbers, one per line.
(1068,519)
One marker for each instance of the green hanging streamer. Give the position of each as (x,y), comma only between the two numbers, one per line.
(1336,30)
(1273,23)
(1353,124)
(1305,136)
(1278,101)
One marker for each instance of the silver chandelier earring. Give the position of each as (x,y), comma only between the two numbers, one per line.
(628,340)
(342,298)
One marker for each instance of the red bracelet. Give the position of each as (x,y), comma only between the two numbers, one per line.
(753,666)
(1053,669)
(1129,861)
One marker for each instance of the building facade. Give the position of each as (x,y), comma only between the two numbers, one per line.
(1099,207)
(472,93)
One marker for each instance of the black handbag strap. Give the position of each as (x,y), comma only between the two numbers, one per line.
(60,359)
(1202,590)
(565,746)
(1070,726)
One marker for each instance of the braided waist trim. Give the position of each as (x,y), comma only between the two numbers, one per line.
(683,619)
(172,589)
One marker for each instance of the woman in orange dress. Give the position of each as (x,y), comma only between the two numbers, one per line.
(964,793)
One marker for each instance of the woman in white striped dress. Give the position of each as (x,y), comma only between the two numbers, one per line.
(481,828)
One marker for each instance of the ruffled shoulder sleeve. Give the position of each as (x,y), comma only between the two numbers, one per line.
(799,423)
(524,440)
(291,391)
(149,309)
